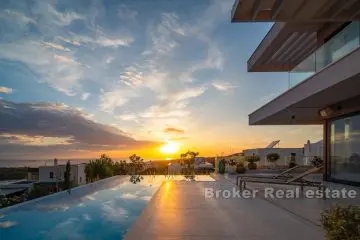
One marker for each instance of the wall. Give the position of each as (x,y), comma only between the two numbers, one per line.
(311,150)
(76,172)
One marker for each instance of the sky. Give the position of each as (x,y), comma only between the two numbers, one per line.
(81,78)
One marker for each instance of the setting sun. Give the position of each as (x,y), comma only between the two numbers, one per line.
(170,148)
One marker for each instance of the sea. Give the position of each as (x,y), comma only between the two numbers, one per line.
(12,163)
(36,163)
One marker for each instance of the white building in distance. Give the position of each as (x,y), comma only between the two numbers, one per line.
(55,173)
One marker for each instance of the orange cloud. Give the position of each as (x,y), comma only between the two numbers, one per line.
(173,130)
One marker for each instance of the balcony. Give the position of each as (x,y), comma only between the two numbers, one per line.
(336,48)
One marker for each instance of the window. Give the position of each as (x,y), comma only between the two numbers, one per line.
(80,179)
(345,149)
(51,175)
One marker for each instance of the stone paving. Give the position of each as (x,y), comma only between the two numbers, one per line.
(179,210)
(308,209)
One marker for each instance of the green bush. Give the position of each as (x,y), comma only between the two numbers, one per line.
(252,165)
(222,163)
(240,168)
(252,161)
(341,223)
(316,161)
(231,162)
(273,157)
(253,158)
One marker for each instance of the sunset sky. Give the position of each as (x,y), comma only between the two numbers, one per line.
(80,78)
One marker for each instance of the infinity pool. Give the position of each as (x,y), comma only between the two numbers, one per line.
(102,210)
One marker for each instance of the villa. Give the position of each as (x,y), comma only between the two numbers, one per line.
(317,43)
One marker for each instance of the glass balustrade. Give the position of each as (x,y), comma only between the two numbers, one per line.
(337,47)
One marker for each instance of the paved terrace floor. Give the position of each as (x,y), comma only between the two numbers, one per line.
(179,210)
(308,209)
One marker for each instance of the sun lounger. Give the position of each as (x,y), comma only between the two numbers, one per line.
(295,181)
(283,175)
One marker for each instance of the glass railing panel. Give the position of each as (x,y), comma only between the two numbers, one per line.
(302,71)
(337,47)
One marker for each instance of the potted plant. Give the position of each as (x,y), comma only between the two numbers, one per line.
(341,223)
(231,166)
(292,162)
(273,157)
(222,166)
(316,161)
(240,168)
(252,161)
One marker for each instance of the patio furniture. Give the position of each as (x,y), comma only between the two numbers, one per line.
(283,175)
(295,181)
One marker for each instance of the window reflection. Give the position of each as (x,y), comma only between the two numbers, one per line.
(345,148)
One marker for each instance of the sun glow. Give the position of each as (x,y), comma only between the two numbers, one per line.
(170,148)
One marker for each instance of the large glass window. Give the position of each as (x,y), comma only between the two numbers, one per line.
(345,148)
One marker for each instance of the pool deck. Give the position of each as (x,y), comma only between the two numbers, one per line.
(179,210)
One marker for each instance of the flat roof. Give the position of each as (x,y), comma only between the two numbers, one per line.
(295,10)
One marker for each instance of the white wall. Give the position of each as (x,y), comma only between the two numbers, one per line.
(77,173)
(313,149)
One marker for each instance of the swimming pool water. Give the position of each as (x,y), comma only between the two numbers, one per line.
(102,210)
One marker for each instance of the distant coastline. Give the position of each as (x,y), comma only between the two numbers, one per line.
(12,163)
(36,163)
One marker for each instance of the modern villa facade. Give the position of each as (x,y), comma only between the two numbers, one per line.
(55,173)
(317,44)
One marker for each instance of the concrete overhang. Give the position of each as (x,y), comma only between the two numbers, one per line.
(295,10)
(287,44)
(336,87)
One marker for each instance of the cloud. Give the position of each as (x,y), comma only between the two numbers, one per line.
(124,12)
(56,46)
(7,224)
(73,42)
(86,217)
(85,96)
(35,140)
(50,14)
(223,86)
(6,90)
(103,41)
(128,196)
(59,72)
(26,122)
(173,130)
(113,213)
(184,94)
(65,59)
(127,117)
(16,16)
(110,100)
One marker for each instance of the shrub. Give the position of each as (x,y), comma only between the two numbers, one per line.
(316,161)
(273,157)
(222,166)
(341,223)
(231,162)
(252,161)
(292,162)
(240,168)
(252,165)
